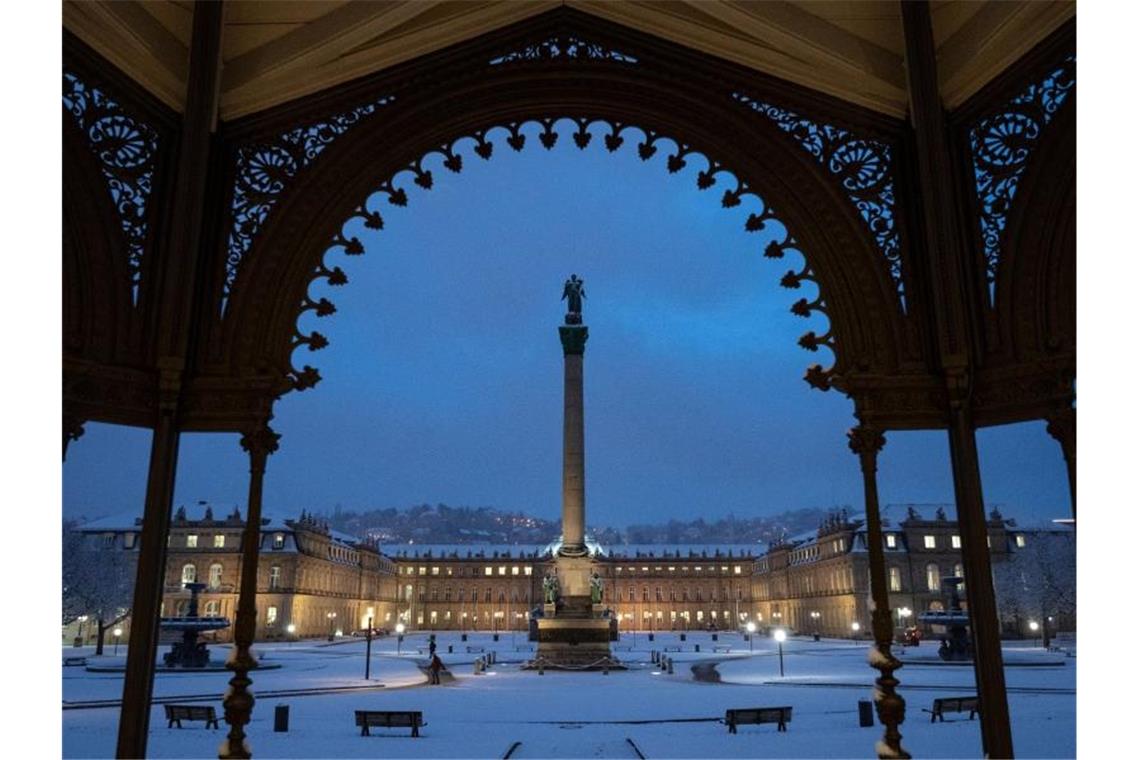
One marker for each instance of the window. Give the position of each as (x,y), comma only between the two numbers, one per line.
(212,608)
(278,540)
(129,540)
(423,569)
(896,579)
(932,577)
(515,570)
(271,615)
(215,576)
(528,570)
(274,577)
(219,541)
(955,542)
(192,541)
(488,571)
(189,573)
(736,569)
(502,569)
(1020,540)
(892,542)
(959,572)
(487,595)
(929,542)
(435,571)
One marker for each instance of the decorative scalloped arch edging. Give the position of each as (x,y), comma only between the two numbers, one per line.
(564,47)
(1001,143)
(126,149)
(862,165)
(264,170)
(483,147)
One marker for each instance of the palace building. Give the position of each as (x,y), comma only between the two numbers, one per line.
(314,581)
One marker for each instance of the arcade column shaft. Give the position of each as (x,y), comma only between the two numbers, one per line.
(573,443)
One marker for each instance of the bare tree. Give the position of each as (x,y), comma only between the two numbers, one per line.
(98,581)
(1039,579)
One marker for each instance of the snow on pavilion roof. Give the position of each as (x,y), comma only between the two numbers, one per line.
(274,52)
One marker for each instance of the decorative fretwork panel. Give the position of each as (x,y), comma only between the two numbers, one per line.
(764,221)
(863,167)
(564,47)
(264,171)
(1002,142)
(126,149)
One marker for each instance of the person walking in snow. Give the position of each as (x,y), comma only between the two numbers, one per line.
(436,666)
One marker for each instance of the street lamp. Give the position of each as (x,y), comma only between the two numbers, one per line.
(815,615)
(1033,626)
(400,628)
(332,621)
(751,632)
(780,635)
(855,630)
(118,632)
(79,634)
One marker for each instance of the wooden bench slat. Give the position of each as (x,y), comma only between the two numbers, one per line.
(178,713)
(389,719)
(756,715)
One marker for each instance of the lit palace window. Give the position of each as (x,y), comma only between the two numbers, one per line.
(192,541)
(271,615)
(891,541)
(1020,541)
(929,542)
(219,541)
(956,542)
(932,577)
(215,575)
(279,541)
(274,577)
(435,571)
(528,570)
(189,573)
(488,571)
(515,570)
(896,579)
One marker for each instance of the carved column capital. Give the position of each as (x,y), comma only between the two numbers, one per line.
(260,442)
(867,442)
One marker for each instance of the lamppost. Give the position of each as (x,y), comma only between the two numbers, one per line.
(751,632)
(1033,626)
(118,632)
(815,621)
(855,630)
(332,621)
(904,616)
(292,629)
(400,628)
(780,635)
(79,634)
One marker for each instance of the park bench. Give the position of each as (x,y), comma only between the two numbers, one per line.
(389,719)
(473,650)
(952,704)
(70,661)
(722,649)
(179,713)
(778,715)
(672,649)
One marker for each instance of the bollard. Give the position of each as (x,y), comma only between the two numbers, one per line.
(449,649)
(606,669)
(715,637)
(670,666)
(463,637)
(541,668)
(653,655)
(682,637)
(651,637)
(696,647)
(495,637)
(281,718)
(866,715)
(815,637)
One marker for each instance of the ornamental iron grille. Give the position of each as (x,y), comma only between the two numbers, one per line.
(1001,143)
(564,47)
(264,170)
(863,167)
(614,135)
(126,149)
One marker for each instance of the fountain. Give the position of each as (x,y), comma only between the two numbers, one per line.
(189,652)
(957,646)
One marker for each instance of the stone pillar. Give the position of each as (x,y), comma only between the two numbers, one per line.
(238,701)
(573,443)
(867,442)
(1063,427)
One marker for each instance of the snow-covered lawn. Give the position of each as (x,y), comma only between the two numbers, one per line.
(563,714)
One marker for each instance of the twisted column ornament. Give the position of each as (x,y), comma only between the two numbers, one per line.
(238,701)
(867,442)
(1063,426)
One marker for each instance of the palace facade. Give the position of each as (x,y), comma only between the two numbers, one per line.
(315,581)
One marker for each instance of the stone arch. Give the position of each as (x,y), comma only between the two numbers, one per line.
(861,302)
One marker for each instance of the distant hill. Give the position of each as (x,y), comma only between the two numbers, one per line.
(441,524)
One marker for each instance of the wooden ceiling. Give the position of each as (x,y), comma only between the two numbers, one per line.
(277,51)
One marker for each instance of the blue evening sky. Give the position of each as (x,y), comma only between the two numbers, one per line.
(443,380)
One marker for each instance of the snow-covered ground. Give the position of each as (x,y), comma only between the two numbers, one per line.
(562,714)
